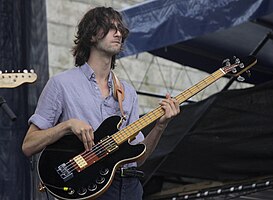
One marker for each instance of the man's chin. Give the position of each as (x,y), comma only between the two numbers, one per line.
(115,51)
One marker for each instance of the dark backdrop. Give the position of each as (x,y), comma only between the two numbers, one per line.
(23,45)
(226,137)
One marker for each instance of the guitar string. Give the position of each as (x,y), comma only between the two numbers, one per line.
(93,154)
(97,148)
(110,141)
(106,143)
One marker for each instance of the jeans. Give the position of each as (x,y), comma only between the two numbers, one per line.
(125,188)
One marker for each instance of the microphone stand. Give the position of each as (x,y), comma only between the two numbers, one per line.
(7,110)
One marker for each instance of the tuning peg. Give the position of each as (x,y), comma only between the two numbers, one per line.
(226,62)
(25,71)
(19,70)
(234,70)
(0,72)
(237,61)
(240,78)
(32,71)
(241,65)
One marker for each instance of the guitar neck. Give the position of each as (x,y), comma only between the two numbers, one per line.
(132,130)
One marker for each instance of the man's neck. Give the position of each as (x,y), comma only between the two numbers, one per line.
(101,64)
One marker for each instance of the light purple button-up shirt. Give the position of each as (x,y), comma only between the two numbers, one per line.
(75,94)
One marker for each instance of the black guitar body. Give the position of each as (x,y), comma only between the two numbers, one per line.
(93,180)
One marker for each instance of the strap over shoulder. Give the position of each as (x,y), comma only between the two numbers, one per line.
(118,93)
(117,87)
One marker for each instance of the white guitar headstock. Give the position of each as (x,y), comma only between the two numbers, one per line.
(14,79)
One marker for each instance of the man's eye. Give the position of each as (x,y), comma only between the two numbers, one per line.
(120,27)
(113,27)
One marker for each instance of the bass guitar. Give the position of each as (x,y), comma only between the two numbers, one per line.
(67,171)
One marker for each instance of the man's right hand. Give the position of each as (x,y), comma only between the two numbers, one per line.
(84,132)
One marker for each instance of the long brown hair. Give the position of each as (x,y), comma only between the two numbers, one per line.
(96,19)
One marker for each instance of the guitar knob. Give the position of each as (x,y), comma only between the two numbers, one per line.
(103,172)
(71,191)
(92,187)
(100,180)
(240,78)
(82,191)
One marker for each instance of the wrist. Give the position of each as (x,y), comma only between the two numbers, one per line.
(161,125)
(68,125)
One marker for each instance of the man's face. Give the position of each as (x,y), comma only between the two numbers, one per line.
(112,42)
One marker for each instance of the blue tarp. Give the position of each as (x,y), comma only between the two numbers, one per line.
(160,23)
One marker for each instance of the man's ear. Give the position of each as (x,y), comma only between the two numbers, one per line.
(93,39)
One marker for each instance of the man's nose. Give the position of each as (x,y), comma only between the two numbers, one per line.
(118,33)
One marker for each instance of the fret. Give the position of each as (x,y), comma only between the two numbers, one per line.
(132,130)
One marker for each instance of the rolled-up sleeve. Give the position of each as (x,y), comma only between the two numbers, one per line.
(49,107)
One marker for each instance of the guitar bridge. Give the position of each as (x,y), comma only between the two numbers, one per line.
(64,172)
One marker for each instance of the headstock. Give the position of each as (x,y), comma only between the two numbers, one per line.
(236,66)
(14,79)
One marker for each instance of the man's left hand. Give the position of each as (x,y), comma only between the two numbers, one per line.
(171,108)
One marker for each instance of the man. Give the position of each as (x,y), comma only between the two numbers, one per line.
(79,99)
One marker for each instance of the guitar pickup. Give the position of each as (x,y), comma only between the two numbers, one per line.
(64,172)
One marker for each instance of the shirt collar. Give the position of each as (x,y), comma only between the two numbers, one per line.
(90,74)
(87,71)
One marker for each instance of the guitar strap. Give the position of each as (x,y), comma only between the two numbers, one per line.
(118,93)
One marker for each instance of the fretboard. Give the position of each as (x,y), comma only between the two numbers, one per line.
(132,130)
